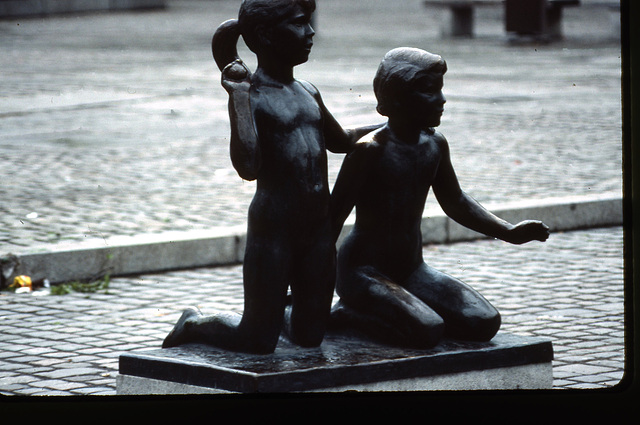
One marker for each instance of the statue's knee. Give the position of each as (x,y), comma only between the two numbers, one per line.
(476,326)
(262,345)
(308,339)
(305,330)
(259,338)
(430,335)
(486,326)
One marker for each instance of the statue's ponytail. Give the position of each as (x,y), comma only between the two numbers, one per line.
(224,44)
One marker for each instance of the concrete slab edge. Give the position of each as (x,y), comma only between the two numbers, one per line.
(533,376)
(23,8)
(119,256)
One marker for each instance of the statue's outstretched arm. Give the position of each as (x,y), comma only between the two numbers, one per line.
(468,212)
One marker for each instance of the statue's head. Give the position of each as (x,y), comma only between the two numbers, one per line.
(261,20)
(405,76)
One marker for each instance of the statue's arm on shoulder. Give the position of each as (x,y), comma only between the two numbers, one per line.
(338,140)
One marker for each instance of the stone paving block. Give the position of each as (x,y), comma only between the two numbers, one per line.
(10,388)
(588,344)
(582,369)
(583,386)
(70,372)
(84,340)
(111,362)
(591,379)
(92,351)
(67,347)
(562,383)
(38,350)
(94,390)
(615,376)
(17,379)
(613,363)
(49,362)
(57,384)
(106,392)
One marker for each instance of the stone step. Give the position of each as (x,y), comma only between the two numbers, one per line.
(222,246)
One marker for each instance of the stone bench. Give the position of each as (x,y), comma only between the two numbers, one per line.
(523,17)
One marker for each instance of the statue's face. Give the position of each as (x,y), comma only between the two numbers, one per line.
(291,39)
(424,101)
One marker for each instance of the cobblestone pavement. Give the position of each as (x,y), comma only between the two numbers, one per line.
(116,124)
(569,289)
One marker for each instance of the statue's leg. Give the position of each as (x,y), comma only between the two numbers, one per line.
(466,313)
(266,277)
(381,308)
(179,334)
(218,329)
(312,291)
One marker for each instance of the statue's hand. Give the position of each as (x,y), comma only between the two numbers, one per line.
(528,230)
(236,76)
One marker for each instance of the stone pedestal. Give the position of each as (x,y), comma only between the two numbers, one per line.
(341,363)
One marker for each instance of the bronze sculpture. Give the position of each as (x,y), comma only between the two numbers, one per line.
(386,289)
(280,130)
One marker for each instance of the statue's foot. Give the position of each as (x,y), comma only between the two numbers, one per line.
(178,336)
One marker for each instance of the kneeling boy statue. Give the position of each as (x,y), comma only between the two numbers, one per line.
(385,287)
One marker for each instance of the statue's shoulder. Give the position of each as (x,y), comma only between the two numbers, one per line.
(370,141)
(309,87)
(368,147)
(439,139)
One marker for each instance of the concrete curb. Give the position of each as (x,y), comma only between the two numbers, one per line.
(560,214)
(224,246)
(21,8)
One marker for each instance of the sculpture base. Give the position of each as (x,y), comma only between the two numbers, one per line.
(341,363)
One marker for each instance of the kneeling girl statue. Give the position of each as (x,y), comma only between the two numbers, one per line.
(386,289)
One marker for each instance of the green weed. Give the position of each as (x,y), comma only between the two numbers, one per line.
(82,287)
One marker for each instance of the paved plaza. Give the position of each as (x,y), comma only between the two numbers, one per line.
(569,289)
(127,129)
(116,125)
